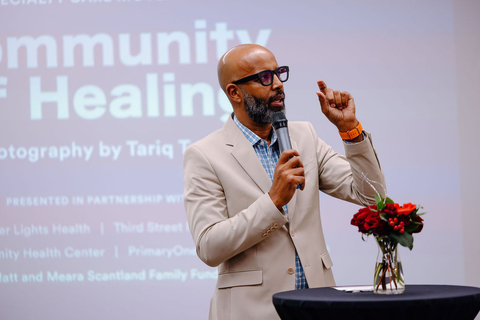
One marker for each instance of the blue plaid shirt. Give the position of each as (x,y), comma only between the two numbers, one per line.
(268,156)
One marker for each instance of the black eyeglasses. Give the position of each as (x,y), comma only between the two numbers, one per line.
(266,76)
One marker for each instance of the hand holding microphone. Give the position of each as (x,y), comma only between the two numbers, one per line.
(289,173)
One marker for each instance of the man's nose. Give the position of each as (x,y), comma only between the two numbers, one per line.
(276,83)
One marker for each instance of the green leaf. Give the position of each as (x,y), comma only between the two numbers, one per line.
(405,239)
(388,200)
(383,216)
(412,227)
(379,201)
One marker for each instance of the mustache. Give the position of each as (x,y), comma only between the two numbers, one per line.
(279,94)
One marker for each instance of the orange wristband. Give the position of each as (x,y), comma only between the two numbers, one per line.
(352,134)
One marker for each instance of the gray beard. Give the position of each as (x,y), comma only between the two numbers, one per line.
(258,110)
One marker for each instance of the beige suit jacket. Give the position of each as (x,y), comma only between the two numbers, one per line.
(236,226)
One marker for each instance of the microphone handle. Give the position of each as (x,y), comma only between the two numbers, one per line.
(283,139)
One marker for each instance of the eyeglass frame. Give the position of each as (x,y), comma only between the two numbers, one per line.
(257,76)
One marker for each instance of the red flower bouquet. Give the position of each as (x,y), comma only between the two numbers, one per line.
(391,224)
(389,219)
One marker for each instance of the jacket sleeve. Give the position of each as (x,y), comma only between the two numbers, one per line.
(217,233)
(355,177)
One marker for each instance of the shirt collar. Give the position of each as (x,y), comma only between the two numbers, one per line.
(252,137)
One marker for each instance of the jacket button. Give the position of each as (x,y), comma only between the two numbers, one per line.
(264,235)
(292,233)
(275,225)
(291,271)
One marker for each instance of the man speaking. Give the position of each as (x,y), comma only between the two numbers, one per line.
(254,212)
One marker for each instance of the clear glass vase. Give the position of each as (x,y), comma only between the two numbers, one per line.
(388,278)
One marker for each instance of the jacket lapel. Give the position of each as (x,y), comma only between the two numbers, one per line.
(243,152)
(293,201)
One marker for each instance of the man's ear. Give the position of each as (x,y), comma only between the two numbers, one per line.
(234,93)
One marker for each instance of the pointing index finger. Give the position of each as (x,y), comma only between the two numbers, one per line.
(322,86)
(322,96)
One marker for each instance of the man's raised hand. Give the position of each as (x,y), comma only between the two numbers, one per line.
(337,106)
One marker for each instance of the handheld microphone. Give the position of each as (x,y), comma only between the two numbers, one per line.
(279,122)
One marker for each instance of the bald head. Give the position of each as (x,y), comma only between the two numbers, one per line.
(242,61)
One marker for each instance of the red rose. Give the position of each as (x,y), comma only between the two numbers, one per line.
(369,221)
(390,209)
(359,219)
(377,225)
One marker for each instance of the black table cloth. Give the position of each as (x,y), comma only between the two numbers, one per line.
(418,302)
